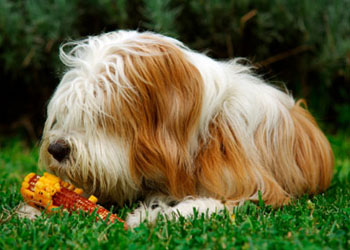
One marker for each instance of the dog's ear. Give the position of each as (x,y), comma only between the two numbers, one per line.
(161,112)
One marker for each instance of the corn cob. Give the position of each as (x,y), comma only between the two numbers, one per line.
(49,191)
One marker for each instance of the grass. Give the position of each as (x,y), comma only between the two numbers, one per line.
(322,221)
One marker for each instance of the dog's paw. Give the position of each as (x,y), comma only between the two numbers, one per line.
(26,211)
(144,213)
(184,208)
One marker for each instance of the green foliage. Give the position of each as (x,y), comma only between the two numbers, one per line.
(162,18)
(305,44)
(322,221)
(30,29)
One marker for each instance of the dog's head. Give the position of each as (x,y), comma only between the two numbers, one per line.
(124,115)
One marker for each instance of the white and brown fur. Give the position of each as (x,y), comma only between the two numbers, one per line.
(146,117)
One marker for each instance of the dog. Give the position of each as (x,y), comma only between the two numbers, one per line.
(140,116)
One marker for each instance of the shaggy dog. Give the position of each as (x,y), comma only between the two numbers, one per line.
(141,116)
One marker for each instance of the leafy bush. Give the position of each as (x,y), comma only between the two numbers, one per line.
(305,44)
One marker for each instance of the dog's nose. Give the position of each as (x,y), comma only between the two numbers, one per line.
(59,150)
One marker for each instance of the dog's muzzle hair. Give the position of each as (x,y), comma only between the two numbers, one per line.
(141,115)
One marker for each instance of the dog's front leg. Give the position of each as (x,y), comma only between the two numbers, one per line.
(149,211)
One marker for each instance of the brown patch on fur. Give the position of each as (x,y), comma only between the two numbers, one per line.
(227,172)
(276,153)
(160,115)
(222,167)
(295,153)
(312,150)
(294,157)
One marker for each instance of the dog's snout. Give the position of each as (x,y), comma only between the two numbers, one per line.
(59,150)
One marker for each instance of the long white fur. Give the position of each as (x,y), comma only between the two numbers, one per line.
(230,88)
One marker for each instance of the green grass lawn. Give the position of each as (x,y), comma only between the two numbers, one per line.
(316,222)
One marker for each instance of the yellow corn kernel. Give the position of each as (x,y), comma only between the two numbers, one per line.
(78,191)
(40,184)
(38,191)
(51,177)
(28,177)
(47,195)
(27,194)
(25,184)
(50,190)
(93,199)
(42,202)
(57,187)
(64,184)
